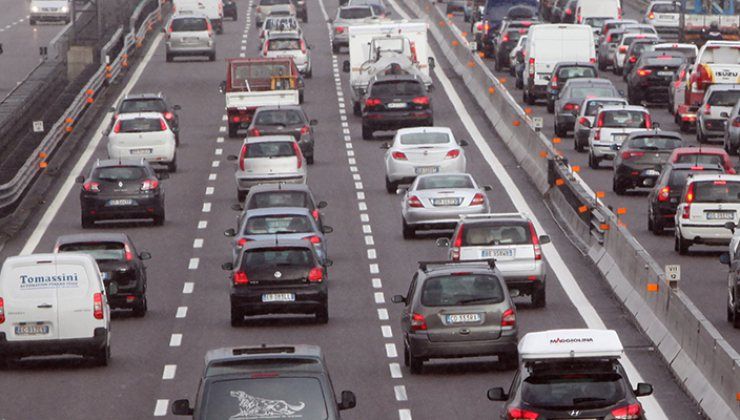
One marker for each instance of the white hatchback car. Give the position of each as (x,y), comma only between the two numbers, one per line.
(289,44)
(143,135)
(613,125)
(708,203)
(663,15)
(715,111)
(422,150)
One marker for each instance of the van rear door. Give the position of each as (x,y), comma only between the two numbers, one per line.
(29,291)
(76,299)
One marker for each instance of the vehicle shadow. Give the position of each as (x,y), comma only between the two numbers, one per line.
(451,367)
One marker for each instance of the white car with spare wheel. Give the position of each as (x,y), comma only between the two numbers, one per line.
(144,135)
(613,125)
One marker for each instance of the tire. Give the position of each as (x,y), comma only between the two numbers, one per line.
(309,160)
(212,56)
(233,130)
(681,245)
(550,107)
(241,196)
(655,226)
(300,97)
(530,99)
(602,66)
(730,312)
(390,187)
(509,360)
(559,131)
(408,231)
(177,139)
(617,187)
(539,298)
(102,356)
(367,132)
(593,162)
(237,318)
(415,364)
(322,315)
(497,65)
(159,219)
(168,57)
(577,145)
(87,222)
(684,127)
(32,22)
(141,308)
(334,48)
(357,109)
(172,166)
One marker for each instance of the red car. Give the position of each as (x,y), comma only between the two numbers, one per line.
(703,156)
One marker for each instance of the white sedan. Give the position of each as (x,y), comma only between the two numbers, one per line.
(143,135)
(422,150)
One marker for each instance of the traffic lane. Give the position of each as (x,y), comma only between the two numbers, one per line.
(20,55)
(13,11)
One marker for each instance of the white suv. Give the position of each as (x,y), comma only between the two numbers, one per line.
(613,125)
(708,202)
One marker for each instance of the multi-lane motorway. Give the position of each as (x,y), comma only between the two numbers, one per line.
(159,358)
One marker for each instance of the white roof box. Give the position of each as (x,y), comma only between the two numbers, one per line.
(573,343)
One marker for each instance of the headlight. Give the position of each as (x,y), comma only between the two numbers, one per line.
(34,9)
(65,9)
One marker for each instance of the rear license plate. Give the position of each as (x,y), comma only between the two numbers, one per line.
(619,137)
(446,201)
(105,275)
(426,170)
(493,253)
(121,202)
(278,297)
(720,215)
(31,329)
(190,40)
(463,318)
(665,73)
(141,151)
(667,17)
(397,105)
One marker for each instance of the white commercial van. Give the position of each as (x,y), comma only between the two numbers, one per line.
(53,304)
(606,9)
(213,9)
(548,45)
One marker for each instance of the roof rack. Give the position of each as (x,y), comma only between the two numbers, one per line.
(424,265)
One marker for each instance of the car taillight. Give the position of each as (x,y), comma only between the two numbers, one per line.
(2,310)
(452,154)
(514,413)
(314,239)
(421,100)
(149,184)
(592,60)
(688,199)
(648,121)
(303,46)
(623,49)
(630,155)
(298,155)
(570,107)
(398,156)
(241,242)
(508,319)
(415,202)
(340,29)
(235,119)
(305,130)
(600,120)
(371,102)
(629,412)
(128,255)
(633,59)
(736,122)
(583,121)
(457,244)
(98,305)
(568,12)
(554,82)
(707,109)
(242,156)
(701,77)
(91,186)
(254,132)
(162,124)
(315,214)
(169,116)
(479,26)
(505,38)
(664,194)
(117,127)
(619,13)
(418,323)
(209,28)
(531,67)
(240,277)
(535,242)
(597,134)
(644,72)
(478,200)
(265,47)
(316,275)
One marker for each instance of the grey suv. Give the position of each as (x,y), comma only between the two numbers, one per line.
(458,309)
(189,34)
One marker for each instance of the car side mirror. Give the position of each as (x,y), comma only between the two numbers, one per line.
(385,146)
(227,266)
(327,229)
(442,242)
(328,263)
(464,143)
(398,299)
(544,239)
(232,157)
(163,175)
(731,226)
(182,408)
(401,190)
(222,87)
(230,232)
(497,394)
(487,188)
(643,389)
(322,204)
(348,400)
(237,207)
(313,123)
(345,66)
(432,63)
(80,179)
(145,256)
(724,258)
(724,115)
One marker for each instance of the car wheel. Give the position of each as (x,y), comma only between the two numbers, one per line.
(408,231)
(335,48)
(159,219)
(539,298)
(305,17)
(102,356)
(309,160)
(618,187)
(233,130)
(241,195)
(390,187)
(168,57)
(593,162)
(172,166)
(212,56)
(509,360)
(357,109)
(88,222)
(684,127)
(577,145)
(367,132)
(497,64)
(550,107)
(416,364)
(559,131)
(322,315)
(309,74)
(735,320)
(519,83)
(141,307)
(177,139)
(300,97)
(681,245)
(237,318)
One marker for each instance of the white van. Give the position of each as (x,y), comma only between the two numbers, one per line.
(53,304)
(548,45)
(606,9)
(213,9)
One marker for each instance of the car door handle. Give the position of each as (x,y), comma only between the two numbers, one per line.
(44,306)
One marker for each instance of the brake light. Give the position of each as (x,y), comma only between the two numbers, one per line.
(241,242)
(707,109)
(314,239)
(609,38)
(242,156)
(305,130)
(254,132)
(479,26)
(697,168)
(535,242)
(629,412)
(592,60)
(736,122)
(508,319)
(371,102)
(633,59)
(619,13)
(298,155)
(209,28)
(688,200)
(456,244)
(505,38)
(651,15)
(117,127)
(303,46)
(570,107)
(554,82)
(623,49)
(478,200)
(421,100)
(515,413)
(664,194)
(2,310)
(600,120)
(701,77)
(398,156)
(315,214)
(452,154)
(340,29)
(531,67)
(149,184)
(629,155)
(316,275)
(583,121)
(235,119)
(415,202)
(240,277)
(98,306)
(418,323)
(568,12)
(648,121)
(720,182)
(169,116)
(91,186)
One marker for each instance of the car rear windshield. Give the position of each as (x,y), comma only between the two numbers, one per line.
(119,173)
(143,105)
(273,2)
(101,251)
(584,91)
(284,44)
(256,259)
(701,159)
(724,98)
(678,176)
(444,181)
(690,53)
(280,117)
(595,22)
(355,13)
(574,72)
(719,191)
(463,289)
(270,149)
(567,389)
(624,119)
(414,139)
(279,397)
(493,234)
(397,88)
(281,24)
(190,24)
(140,125)
(666,8)
(261,225)
(653,143)
(278,199)
(593,107)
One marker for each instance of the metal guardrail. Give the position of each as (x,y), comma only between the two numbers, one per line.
(12,191)
(703,362)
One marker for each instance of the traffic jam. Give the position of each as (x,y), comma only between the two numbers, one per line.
(459,306)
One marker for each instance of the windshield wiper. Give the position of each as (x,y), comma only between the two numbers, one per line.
(474,300)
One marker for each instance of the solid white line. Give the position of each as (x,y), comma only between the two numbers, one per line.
(182,312)
(383,314)
(377,283)
(193,264)
(400,391)
(395,370)
(187,288)
(404,414)
(203,224)
(175,340)
(198,243)
(69,183)
(161,408)
(386,330)
(390,350)
(169,372)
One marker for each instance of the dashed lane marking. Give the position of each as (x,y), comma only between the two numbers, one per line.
(160,409)
(168,373)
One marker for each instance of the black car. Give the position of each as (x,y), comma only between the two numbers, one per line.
(278,277)
(301,10)
(149,102)
(121,266)
(230,10)
(634,52)
(564,71)
(641,158)
(507,41)
(492,28)
(281,195)
(121,189)
(275,381)
(666,194)
(651,77)
(556,11)
(393,102)
(292,119)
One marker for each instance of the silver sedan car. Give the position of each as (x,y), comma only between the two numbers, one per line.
(422,150)
(347,16)
(437,201)
(732,130)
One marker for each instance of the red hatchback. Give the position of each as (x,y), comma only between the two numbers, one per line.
(703,156)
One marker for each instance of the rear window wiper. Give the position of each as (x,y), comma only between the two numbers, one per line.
(474,300)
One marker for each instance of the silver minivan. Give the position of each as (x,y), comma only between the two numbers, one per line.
(189,34)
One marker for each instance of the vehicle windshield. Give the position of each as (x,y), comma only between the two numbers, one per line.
(399,88)
(278,199)
(258,259)
(119,173)
(653,143)
(140,125)
(265,225)
(724,98)
(143,105)
(415,139)
(624,119)
(666,8)
(356,13)
(189,24)
(280,117)
(719,191)
(280,397)
(284,44)
(566,388)
(444,181)
(584,91)
(270,150)
(463,289)
(101,251)
(496,234)
(575,72)
(593,107)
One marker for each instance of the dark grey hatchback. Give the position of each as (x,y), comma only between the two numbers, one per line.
(292,120)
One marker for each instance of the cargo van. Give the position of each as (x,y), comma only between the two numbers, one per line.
(213,9)
(53,304)
(606,9)
(548,45)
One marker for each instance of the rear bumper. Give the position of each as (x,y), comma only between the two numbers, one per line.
(191,50)
(308,300)
(406,172)
(145,207)
(438,218)
(245,183)
(421,346)
(81,346)
(395,120)
(714,234)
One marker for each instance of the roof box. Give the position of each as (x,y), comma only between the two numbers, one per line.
(571,343)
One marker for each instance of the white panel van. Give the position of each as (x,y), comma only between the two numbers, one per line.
(213,9)
(53,304)
(606,9)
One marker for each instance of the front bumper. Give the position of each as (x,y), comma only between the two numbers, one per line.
(420,345)
(82,346)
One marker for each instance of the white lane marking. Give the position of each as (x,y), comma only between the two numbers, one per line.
(404,414)
(215,164)
(395,370)
(364,217)
(187,288)
(203,224)
(224,118)
(222,129)
(175,340)
(169,372)
(198,243)
(219,139)
(369,240)
(379,298)
(400,391)
(358,185)
(193,264)
(206,207)
(351,152)
(387,331)
(242,55)
(377,283)
(35,238)
(357,177)
(367,229)
(362,206)
(353,168)
(182,312)
(374,269)
(161,408)
(209,190)
(360,195)
(212,177)
(371,254)
(219,151)
(383,314)
(390,350)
